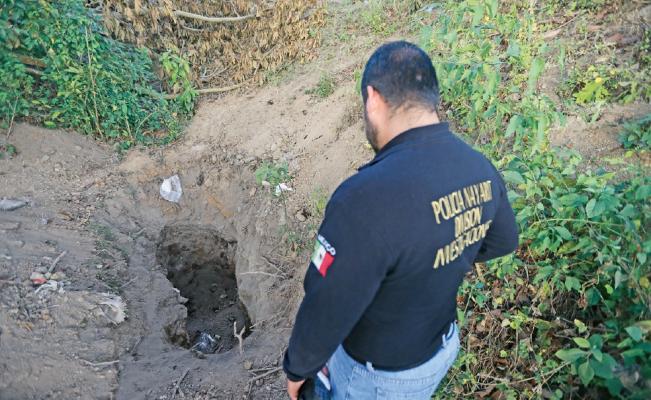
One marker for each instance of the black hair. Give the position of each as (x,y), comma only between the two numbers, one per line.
(403,74)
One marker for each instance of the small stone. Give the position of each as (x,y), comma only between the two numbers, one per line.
(213,159)
(16,243)
(99,266)
(58,167)
(48,275)
(252,192)
(248,365)
(45,158)
(58,276)
(45,221)
(300,217)
(78,148)
(223,296)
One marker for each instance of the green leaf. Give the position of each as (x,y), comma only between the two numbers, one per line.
(565,234)
(580,326)
(513,177)
(581,342)
(513,50)
(570,355)
(589,208)
(634,332)
(603,368)
(586,373)
(572,283)
(537,67)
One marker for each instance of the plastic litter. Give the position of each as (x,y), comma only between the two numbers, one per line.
(205,343)
(11,204)
(171,189)
(115,309)
(51,285)
(282,187)
(37,278)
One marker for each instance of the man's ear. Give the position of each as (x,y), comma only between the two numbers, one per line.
(373,99)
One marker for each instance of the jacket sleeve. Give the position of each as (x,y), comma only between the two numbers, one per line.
(336,294)
(502,236)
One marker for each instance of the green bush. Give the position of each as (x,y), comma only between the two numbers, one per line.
(568,315)
(81,78)
(637,134)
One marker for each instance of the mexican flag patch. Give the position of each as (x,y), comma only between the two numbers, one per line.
(323,256)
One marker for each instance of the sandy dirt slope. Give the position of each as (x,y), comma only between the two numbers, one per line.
(107,215)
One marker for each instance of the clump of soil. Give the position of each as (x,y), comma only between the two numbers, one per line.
(200,264)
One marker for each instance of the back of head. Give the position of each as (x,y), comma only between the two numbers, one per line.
(403,74)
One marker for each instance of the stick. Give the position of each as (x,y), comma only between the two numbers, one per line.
(209,90)
(56,261)
(177,387)
(272,371)
(13,115)
(100,364)
(239,336)
(218,20)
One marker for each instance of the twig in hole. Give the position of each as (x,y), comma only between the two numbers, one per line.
(239,336)
(177,386)
(56,261)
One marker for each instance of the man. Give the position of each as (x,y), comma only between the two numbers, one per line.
(377,320)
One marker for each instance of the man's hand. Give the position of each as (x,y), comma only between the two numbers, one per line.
(293,388)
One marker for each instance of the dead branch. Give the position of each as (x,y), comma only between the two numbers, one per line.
(208,91)
(216,20)
(271,371)
(56,261)
(99,364)
(239,336)
(34,62)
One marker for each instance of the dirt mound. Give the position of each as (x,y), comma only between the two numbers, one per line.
(225,41)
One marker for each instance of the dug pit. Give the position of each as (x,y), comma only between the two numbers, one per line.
(200,264)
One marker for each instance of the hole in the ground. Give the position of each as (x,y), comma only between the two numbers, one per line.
(200,264)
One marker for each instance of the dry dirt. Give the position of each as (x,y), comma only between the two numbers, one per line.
(236,253)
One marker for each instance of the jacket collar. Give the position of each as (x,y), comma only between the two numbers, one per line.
(415,135)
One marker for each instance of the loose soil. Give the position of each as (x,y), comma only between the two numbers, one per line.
(230,253)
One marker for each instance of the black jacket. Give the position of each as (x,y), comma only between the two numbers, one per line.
(396,241)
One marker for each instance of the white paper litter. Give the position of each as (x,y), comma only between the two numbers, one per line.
(282,187)
(171,190)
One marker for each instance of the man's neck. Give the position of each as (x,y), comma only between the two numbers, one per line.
(405,120)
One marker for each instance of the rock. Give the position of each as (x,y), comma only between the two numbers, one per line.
(58,276)
(11,204)
(248,365)
(45,158)
(78,147)
(300,217)
(252,191)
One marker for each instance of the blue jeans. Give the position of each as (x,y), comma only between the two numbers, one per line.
(351,380)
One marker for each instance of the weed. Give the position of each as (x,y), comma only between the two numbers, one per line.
(271,175)
(85,80)
(8,150)
(319,201)
(583,266)
(325,87)
(637,134)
